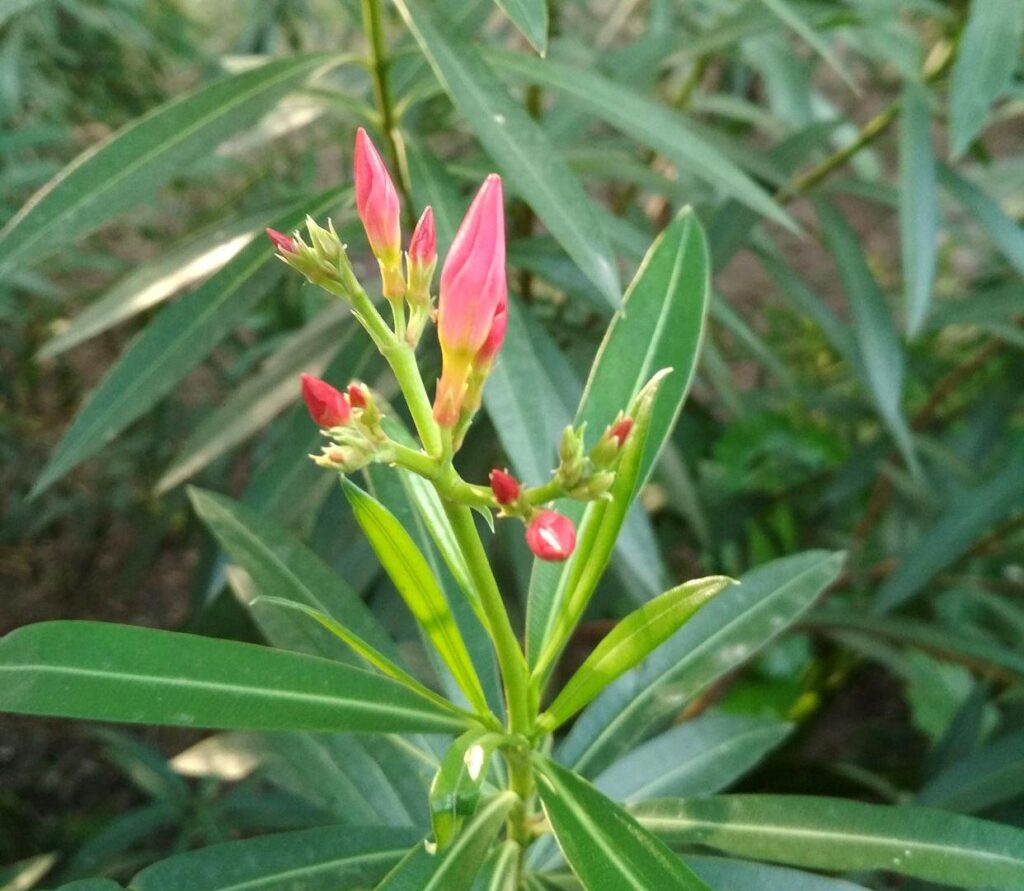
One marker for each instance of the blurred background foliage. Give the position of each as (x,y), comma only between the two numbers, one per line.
(859,166)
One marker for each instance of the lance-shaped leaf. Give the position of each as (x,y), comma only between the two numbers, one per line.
(919,206)
(518,145)
(501,871)
(530,17)
(628,644)
(737,623)
(130,166)
(415,582)
(281,566)
(174,343)
(455,868)
(660,325)
(835,834)
(604,845)
(107,672)
(1001,228)
(322,859)
(455,792)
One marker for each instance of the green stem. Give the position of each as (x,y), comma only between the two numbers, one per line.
(510,656)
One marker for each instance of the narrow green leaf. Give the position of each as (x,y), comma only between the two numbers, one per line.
(880,348)
(106,672)
(501,871)
(919,206)
(604,845)
(26,874)
(322,859)
(177,268)
(660,325)
(645,120)
(628,644)
(518,146)
(130,166)
(695,759)
(794,20)
(455,868)
(721,873)
(281,566)
(531,18)
(839,835)
(986,59)
(971,514)
(990,776)
(177,340)
(86,885)
(455,792)
(263,395)
(733,627)
(412,576)
(1001,228)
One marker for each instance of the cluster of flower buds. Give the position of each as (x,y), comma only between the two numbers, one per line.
(323,261)
(472,308)
(587,477)
(350,420)
(550,535)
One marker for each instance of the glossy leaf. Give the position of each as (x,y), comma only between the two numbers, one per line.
(455,791)
(698,758)
(501,871)
(721,873)
(990,776)
(130,166)
(415,582)
(106,672)
(880,349)
(604,845)
(647,121)
(281,566)
(661,325)
(177,340)
(919,206)
(263,394)
(455,868)
(972,513)
(835,834)
(628,644)
(322,859)
(986,59)
(517,144)
(734,626)
(88,885)
(530,17)
(27,873)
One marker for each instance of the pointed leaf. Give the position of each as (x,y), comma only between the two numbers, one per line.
(1005,231)
(517,144)
(322,859)
(605,846)
(412,576)
(135,162)
(838,835)
(105,672)
(628,644)
(177,340)
(530,17)
(919,206)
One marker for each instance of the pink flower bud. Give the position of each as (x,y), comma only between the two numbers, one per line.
(284,243)
(473,300)
(504,486)
(327,406)
(423,245)
(377,202)
(356,396)
(551,536)
(620,430)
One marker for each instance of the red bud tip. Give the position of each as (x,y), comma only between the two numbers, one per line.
(284,243)
(504,486)
(377,200)
(551,536)
(356,396)
(327,406)
(620,430)
(423,245)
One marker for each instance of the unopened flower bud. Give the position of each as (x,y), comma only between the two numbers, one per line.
(327,406)
(357,395)
(570,455)
(551,536)
(504,486)
(328,247)
(422,260)
(379,209)
(284,243)
(609,446)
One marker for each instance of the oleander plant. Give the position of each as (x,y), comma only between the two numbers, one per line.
(487,610)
